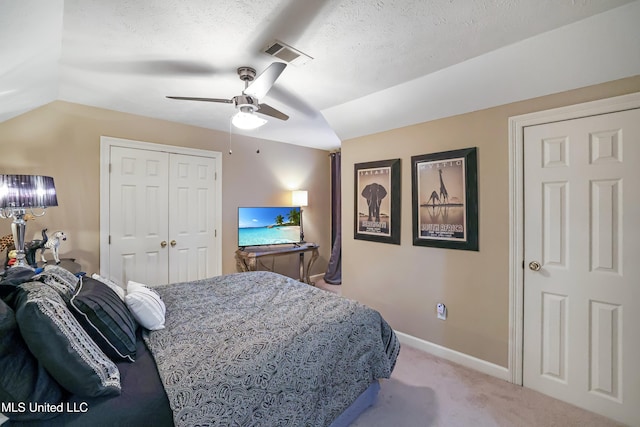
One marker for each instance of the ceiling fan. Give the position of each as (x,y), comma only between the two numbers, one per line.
(255,88)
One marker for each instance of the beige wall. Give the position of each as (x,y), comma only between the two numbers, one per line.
(405,282)
(62,140)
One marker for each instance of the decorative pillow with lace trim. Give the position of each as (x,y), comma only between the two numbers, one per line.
(60,279)
(57,340)
(22,378)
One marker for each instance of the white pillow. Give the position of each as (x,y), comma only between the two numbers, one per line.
(145,305)
(114,286)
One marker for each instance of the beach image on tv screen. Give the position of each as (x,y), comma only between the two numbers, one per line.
(268,225)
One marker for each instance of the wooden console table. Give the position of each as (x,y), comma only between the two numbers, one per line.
(247,258)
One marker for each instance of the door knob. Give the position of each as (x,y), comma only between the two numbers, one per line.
(534,265)
(173,243)
(163,243)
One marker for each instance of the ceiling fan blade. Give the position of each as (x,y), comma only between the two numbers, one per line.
(189,98)
(268,110)
(147,67)
(261,84)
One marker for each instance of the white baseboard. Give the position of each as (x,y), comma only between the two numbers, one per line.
(455,356)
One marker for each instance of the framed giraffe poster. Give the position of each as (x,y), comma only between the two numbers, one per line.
(445,199)
(377,201)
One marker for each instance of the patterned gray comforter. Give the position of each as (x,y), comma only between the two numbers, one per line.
(261,349)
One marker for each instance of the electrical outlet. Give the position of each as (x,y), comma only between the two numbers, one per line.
(442,311)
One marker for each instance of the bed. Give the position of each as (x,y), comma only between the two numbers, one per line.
(245,349)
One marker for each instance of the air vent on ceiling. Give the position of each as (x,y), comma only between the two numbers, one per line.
(286,53)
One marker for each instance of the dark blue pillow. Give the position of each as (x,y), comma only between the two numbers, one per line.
(17,275)
(22,378)
(11,278)
(106,318)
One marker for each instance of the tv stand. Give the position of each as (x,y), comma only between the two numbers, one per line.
(247,258)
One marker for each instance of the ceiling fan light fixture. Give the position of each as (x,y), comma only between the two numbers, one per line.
(247,120)
(247,103)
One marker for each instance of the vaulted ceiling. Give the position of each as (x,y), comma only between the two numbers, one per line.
(375,64)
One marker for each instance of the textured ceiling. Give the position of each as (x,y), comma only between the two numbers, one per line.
(371,58)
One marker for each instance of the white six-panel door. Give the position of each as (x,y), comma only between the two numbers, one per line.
(582,227)
(192,207)
(139,223)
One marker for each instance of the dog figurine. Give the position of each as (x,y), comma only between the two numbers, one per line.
(54,244)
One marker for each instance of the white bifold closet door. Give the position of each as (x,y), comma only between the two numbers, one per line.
(162,216)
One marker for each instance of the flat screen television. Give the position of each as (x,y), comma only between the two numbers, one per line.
(277,225)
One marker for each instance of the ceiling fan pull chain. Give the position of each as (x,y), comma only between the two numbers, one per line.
(230,129)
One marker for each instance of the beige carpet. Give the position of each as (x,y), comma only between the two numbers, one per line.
(427,391)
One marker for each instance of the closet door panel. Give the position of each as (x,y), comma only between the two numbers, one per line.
(138,219)
(192,214)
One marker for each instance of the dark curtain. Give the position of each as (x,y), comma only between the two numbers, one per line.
(333,274)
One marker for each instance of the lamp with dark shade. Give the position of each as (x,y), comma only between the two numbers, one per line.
(20,194)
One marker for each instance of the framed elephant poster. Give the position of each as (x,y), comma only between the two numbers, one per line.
(377,201)
(445,199)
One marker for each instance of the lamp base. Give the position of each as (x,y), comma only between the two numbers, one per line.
(18,228)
